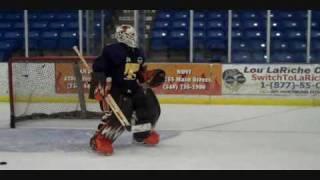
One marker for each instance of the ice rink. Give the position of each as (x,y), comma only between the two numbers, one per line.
(192,137)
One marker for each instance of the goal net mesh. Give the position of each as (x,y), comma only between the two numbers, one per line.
(50,88)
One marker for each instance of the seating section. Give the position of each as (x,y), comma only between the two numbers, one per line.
(288,35)
(48,30)
(58,30)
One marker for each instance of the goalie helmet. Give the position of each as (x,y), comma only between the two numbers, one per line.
(127,35)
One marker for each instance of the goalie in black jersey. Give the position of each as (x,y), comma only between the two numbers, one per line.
(121,72)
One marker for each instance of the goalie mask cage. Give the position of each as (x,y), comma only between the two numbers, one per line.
(50,88)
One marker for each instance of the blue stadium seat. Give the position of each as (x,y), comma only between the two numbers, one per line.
(252,24)
(181,15)
(255,34)
(216,44)
(296,34)
(39,26)
(34,38)
(163,15)
(159,39)
(178,39)
(315,25)
(13,17)
(199,39)
(294,24)
(67,40)
(315,57)
(217,15)
(199,25)
(56,26)
(161,24)
(258,57)
(71,26)
(298,45)
(33,16)
(236,24)
(253,15)
(66,16)
(256,44)
(241,57)
(6,50)
(180,25)
(316,15)
(289,14)
(15,38)
(4,26)
(315,45)
(287,57)
(18,26)
(49,40)
(216,34)
(278,45)
(46,17)
(235,15)
(315,34)
(240,45)
(237,34)
(216,24)
(278,35)
(199,15)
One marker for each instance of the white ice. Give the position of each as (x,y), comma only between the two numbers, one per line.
(193,137)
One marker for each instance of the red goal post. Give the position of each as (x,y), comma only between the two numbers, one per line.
(50,87)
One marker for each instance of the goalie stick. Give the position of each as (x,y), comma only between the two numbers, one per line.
(113,105)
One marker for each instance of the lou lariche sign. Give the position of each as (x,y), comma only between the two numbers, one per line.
(271,79)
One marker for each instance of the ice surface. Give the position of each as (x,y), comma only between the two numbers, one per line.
(192,137)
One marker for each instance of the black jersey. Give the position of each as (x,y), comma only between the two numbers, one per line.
(123,64)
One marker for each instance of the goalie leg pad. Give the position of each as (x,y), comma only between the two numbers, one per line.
(147,111)
(110,126)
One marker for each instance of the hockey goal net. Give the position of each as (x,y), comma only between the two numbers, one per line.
(50,88)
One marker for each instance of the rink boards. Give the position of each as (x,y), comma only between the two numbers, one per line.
(242,84)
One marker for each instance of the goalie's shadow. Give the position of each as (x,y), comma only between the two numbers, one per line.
(60,140)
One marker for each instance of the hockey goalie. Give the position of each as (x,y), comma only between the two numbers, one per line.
(120,71)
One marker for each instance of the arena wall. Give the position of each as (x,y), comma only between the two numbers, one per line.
(241,84)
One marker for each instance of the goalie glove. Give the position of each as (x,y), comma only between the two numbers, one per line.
(152,78)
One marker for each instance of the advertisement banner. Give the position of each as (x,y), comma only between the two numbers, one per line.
(192,79)
(66,81)
(271,79)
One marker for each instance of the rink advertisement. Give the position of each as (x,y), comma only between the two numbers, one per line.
(66,80)
(190,79)
(193,79)
(271,79)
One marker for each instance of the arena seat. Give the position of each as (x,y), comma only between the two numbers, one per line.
(241,57)
(49,40)
(159,39)
(180,25)
(216,24)
(199,25)
(67,40)
(178,39)
(255,34)
(199,15)
(39,26)
(180,15)
(34,38)
(217,15)
(161,24)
